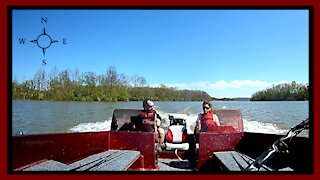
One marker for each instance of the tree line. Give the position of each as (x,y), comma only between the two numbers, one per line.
(283,92)
(111,86)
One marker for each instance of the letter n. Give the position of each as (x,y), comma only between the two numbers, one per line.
(44,19)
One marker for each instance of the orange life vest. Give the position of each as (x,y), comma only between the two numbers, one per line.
(148,115)
(207,119)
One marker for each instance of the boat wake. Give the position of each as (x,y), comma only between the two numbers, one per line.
(92,127)
(249,125)
(262,127)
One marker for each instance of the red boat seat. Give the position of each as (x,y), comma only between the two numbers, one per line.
(177,133)
(231,118)
(131,116)
(120,116)
(220,138)
(177,138)
(218,129)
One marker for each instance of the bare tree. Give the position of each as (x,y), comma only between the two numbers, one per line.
(138,81)
(112,76)
(40,80)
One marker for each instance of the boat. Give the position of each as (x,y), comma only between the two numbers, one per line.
(133,147)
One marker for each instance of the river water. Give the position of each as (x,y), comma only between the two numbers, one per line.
(38,117)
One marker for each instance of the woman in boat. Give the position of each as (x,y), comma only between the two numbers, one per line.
(149,116)
(207,117)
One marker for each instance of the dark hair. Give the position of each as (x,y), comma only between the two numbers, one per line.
(206,102)
(144,102)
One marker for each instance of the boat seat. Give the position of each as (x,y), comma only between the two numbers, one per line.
(172,146)
(235,161)
(111,160)
(177,141)
(218,129)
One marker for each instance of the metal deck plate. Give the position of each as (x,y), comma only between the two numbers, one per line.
(49,165)
(235,161)
(112,160)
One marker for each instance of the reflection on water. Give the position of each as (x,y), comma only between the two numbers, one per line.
(37,117)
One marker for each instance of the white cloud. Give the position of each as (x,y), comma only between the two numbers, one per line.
(222,84)
(247,87)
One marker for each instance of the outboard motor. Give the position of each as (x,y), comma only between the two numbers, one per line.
(177,133)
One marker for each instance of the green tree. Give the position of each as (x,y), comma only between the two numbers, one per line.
(111,86)
(283,92)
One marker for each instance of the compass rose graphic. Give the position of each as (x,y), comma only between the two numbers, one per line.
(44,41)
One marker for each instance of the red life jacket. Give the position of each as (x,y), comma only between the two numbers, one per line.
(207,119)
(148,115)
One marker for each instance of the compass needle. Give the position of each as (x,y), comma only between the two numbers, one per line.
(44,51)
(43,41)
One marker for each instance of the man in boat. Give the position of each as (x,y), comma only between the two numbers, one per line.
(150,116)
(206,118)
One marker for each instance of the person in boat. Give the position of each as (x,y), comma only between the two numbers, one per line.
(150,116)
(206,118)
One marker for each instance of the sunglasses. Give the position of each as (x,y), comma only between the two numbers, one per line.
(206,108)
(150,106)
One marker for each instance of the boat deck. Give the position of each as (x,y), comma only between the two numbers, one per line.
(175,165)
(224,161)
(235,161)
(111,160)
(121,160)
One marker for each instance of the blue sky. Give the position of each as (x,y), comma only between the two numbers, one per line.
(227,53)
